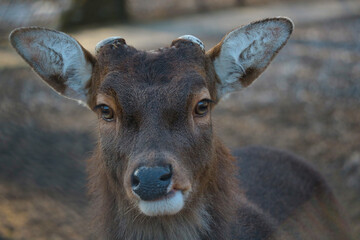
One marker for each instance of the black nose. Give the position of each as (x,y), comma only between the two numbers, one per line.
(151,183)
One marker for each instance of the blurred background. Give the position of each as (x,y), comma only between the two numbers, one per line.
(307,102)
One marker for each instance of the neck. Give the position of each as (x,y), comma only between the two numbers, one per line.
(206,215)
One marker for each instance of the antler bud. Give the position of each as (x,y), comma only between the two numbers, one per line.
(194,40)
(111,40)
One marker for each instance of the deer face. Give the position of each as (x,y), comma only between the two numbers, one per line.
(155,134)
(154,118)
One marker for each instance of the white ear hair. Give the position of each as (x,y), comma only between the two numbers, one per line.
(57,58)
(246,52)
(105,42)
(194,40)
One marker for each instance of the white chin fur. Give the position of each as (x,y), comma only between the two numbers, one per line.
(166,206)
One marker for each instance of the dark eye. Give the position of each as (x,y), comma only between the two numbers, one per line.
(106,112)
(202,107)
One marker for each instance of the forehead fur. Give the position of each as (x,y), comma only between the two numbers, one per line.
(124,65)
(182,67)
(119,56)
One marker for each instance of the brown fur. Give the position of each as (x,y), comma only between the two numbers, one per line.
(142,86)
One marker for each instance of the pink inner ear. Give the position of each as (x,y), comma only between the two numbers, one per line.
(35,57)
(27,41)
(276,32)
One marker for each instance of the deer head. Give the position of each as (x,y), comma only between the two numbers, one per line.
(156,148)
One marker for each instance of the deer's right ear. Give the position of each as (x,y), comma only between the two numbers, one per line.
(58,58)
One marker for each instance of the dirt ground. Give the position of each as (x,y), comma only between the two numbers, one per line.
(307,102)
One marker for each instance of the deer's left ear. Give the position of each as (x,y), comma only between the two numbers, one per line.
(244,53)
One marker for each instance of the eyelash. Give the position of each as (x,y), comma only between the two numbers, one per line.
(107,114)
(202,112)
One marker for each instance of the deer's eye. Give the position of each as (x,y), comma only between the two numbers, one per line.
(106,112)
(202,107)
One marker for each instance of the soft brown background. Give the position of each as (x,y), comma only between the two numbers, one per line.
(307,102)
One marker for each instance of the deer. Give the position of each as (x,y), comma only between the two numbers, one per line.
(159,171)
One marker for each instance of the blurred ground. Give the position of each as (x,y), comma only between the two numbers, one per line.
(308,102)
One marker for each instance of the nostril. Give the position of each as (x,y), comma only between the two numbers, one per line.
(135,181)
(166,177)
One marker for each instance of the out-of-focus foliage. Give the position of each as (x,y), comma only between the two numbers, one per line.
(22,13)
(85,12)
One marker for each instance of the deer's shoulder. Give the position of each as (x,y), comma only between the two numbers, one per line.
(283,189)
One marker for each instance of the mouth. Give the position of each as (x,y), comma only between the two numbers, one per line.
(169,204)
